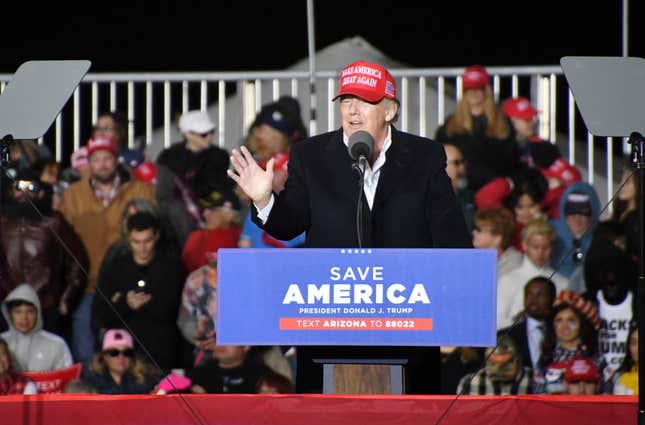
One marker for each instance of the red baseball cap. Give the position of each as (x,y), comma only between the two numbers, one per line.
(519,107)
(474,77)
(581,369)
(100,143)
(369,81)
(562,170)
(146,172)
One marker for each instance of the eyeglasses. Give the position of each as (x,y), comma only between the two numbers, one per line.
(128,352)
(26,186)
(208,133)
(105,129)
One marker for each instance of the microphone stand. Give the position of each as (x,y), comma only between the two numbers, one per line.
(360,166)
(638,162)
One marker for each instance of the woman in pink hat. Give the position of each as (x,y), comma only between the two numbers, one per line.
(480,130)
(117,370)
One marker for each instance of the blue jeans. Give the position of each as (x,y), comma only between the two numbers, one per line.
(83,339)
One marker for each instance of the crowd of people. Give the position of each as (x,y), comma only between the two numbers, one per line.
(566,314)
(111,261)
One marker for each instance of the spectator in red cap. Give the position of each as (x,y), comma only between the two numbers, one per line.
(114,125)
(581,377)
(409,201)
(480,130)
(536,152)
(93,207)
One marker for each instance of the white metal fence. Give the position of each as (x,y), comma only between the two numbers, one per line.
(152,101)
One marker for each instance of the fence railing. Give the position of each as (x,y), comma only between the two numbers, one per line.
(153,101)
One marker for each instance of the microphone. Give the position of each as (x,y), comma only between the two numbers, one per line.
(360,144)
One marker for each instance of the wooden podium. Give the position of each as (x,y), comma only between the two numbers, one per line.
(363,376)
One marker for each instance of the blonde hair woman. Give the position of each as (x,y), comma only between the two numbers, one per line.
(480,130)
(116,369)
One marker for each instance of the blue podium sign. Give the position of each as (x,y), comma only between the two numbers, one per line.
(408,297)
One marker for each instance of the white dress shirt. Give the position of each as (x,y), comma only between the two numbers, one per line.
(535,336)
(370,183)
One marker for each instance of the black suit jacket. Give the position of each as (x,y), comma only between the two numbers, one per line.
(414,207)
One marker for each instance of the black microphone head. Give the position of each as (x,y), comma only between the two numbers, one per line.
(361,143)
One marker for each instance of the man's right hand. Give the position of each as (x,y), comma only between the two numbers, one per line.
(136,300)
(251,178)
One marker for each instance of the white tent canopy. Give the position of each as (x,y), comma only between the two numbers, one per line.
(241,107)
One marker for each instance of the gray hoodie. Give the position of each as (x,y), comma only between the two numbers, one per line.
(37,350)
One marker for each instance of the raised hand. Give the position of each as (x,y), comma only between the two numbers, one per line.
(251,178)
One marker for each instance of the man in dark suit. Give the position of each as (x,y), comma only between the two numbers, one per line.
(408,202)
(528,332)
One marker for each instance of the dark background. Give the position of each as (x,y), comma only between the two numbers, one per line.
(243,35)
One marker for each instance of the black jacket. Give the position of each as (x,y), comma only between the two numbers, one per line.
(202,171)
(155,322)
(414,207)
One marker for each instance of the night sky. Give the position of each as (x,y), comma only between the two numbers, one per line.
(242,35)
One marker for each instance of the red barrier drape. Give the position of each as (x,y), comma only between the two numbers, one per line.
(73,409)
